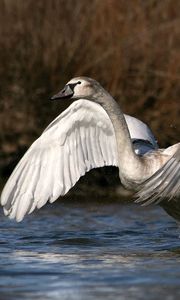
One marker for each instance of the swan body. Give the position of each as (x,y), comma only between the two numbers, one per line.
(91,133)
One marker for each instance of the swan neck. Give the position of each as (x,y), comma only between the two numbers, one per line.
(129,163)
(117,118)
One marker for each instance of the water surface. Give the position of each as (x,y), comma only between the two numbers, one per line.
(99,250)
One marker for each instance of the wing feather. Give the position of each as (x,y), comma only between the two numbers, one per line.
(79,139)
(164,184)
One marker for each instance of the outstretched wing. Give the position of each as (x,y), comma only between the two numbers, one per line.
(141,135)
(163,184)
(79,139)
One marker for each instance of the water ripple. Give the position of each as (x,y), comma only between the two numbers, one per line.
(96,251)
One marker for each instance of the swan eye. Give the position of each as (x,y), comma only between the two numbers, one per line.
(79,82)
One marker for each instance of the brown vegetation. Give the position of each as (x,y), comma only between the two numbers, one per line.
(131,47)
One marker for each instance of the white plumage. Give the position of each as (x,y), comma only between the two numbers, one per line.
(79,139)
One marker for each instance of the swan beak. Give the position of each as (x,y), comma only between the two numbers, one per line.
(66,92)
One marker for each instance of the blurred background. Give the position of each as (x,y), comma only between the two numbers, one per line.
(131,47)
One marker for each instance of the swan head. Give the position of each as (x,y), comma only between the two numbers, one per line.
(80,88)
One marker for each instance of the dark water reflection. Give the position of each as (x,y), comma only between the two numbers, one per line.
(90,251)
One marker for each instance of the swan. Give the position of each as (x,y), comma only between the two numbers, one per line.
(92,132)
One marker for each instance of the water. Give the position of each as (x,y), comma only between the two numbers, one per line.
(78,250)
